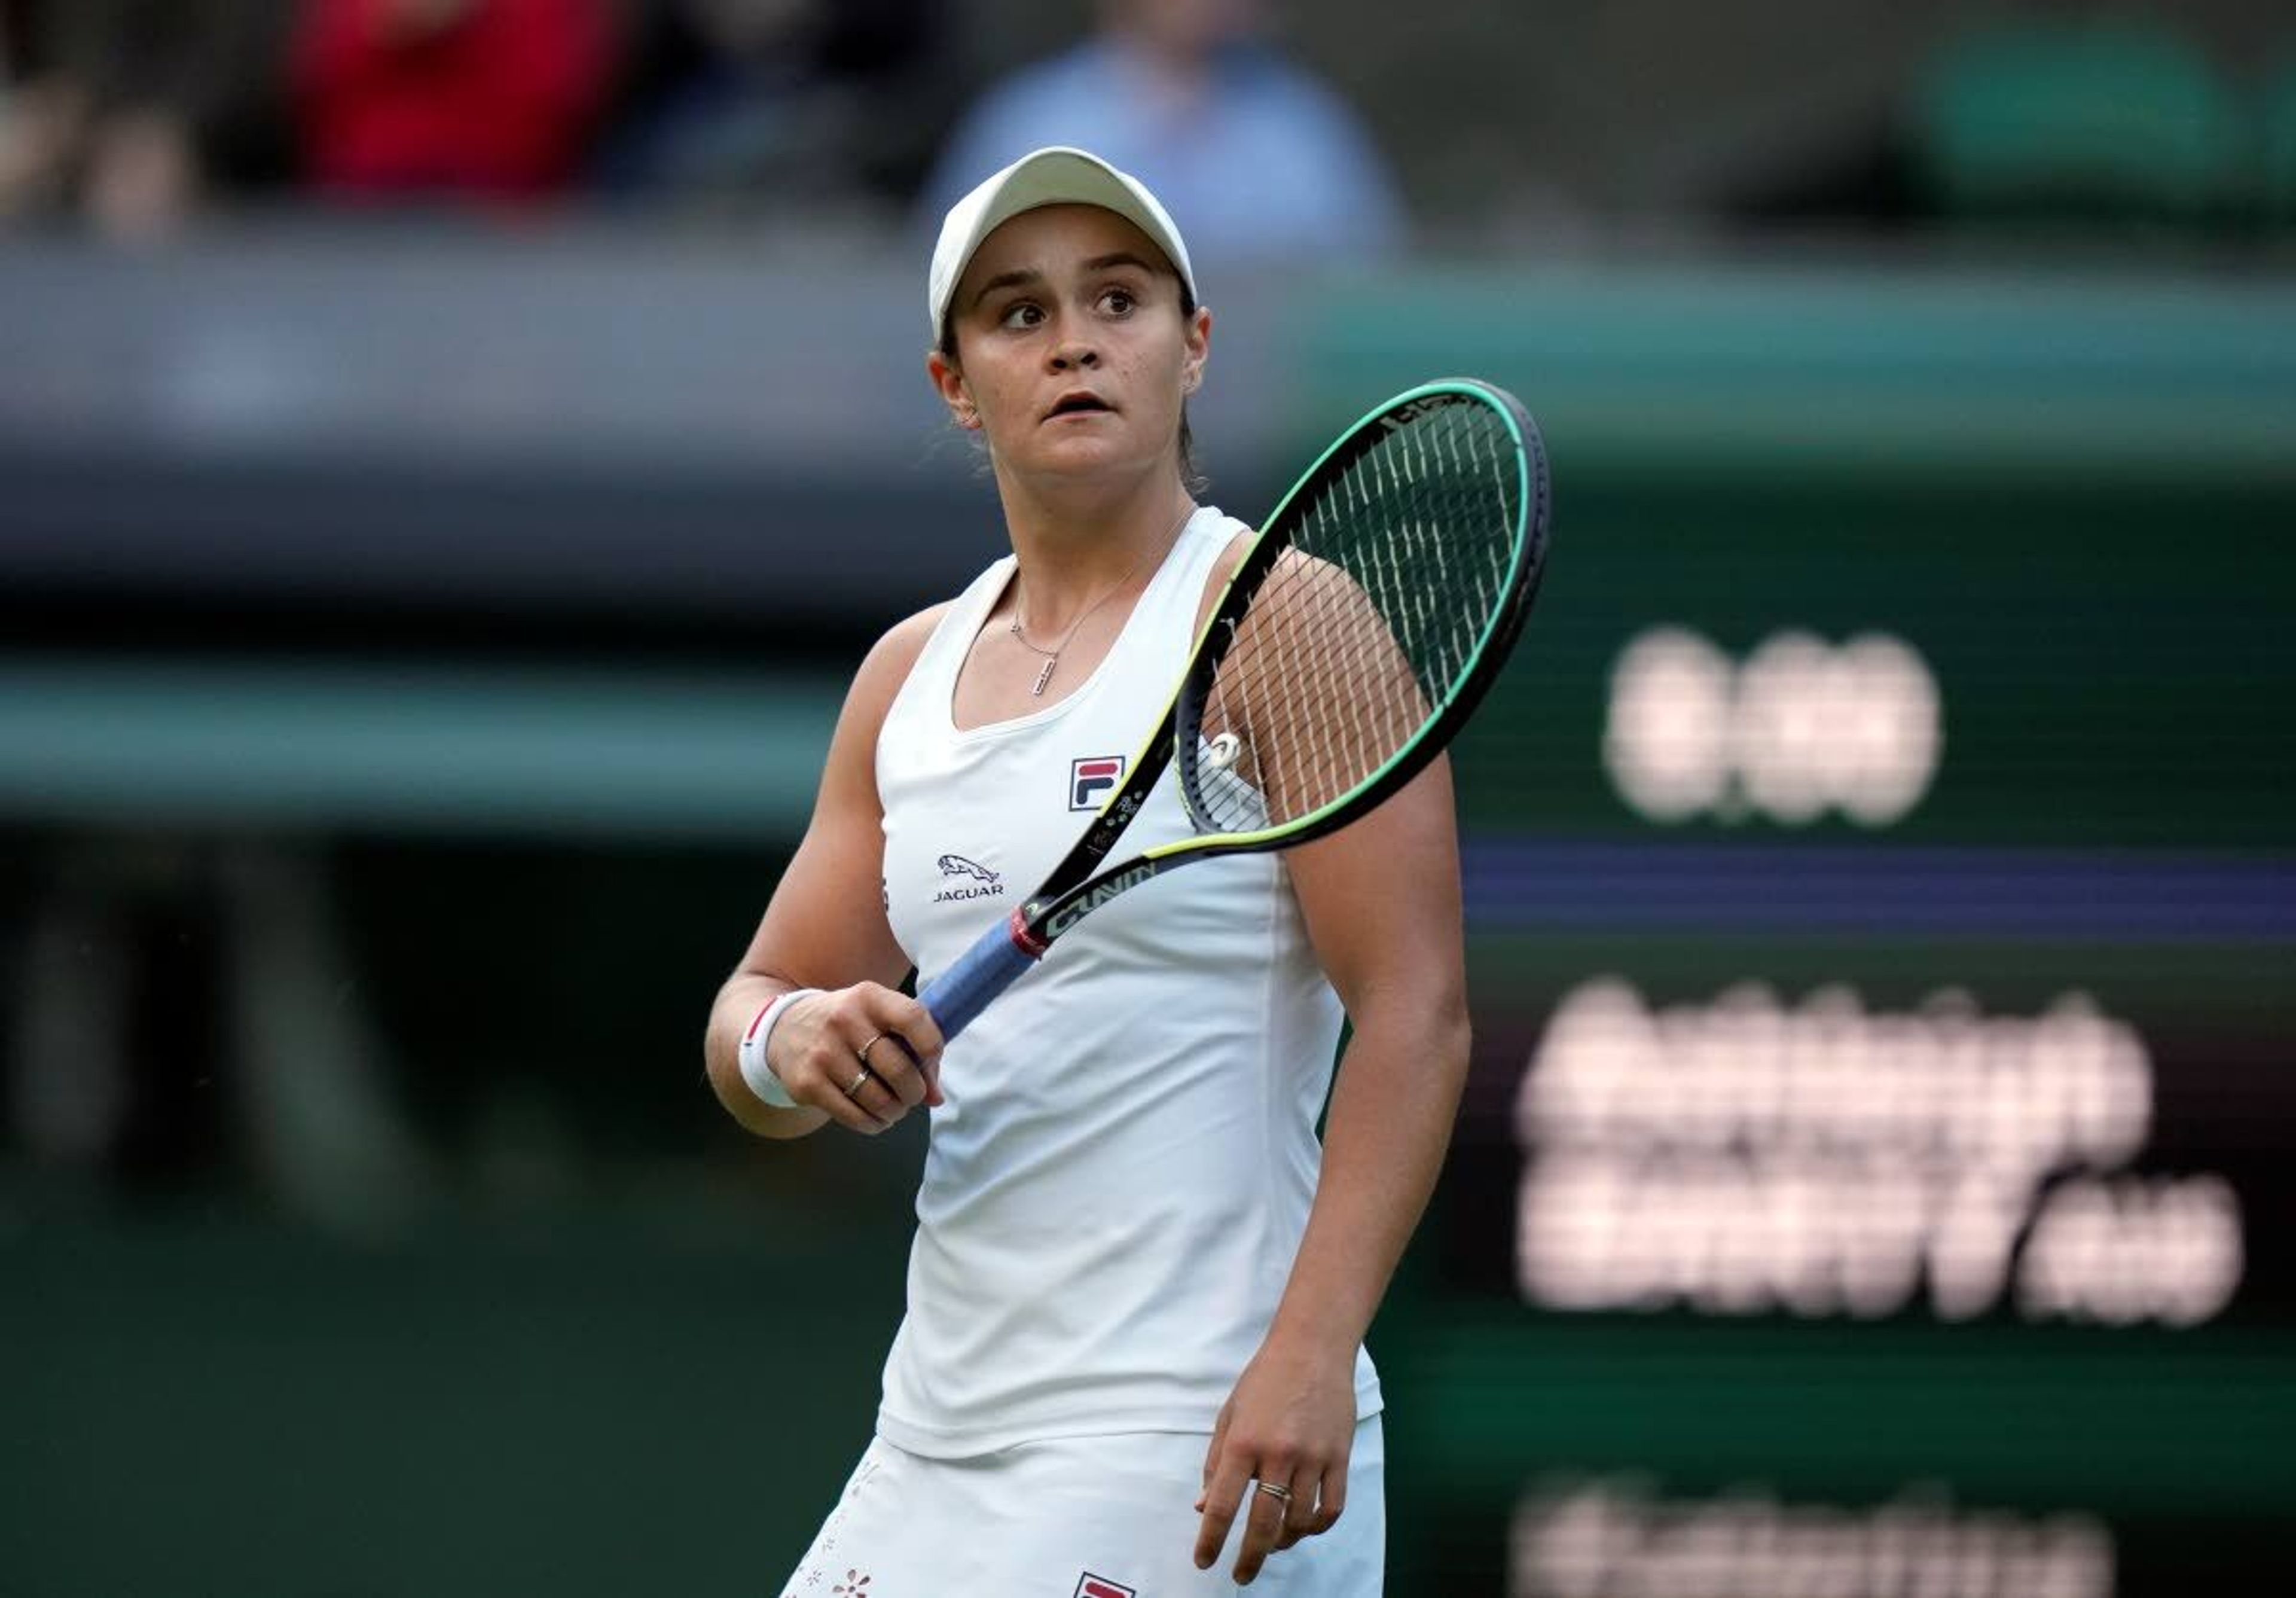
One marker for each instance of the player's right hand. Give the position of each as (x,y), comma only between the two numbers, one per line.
(864,1056)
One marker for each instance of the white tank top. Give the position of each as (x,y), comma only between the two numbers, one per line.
(1114,1194)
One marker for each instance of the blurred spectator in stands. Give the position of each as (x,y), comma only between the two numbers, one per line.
(1255,157)
(793,100)
(38,116)
(126,112)
(398,99)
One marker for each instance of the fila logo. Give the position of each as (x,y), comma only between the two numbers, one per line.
(1089,1585)
(1091,776)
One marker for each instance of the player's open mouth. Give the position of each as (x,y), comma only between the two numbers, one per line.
(1080,403)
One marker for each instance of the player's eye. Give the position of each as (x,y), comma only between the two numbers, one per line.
(1022,313)
(1120,301)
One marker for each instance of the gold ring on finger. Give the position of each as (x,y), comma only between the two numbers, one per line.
(866,1075)
(1274,1489)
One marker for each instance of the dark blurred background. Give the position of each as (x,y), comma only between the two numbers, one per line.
(453,452)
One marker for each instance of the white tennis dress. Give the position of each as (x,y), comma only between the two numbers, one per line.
(1115,1191)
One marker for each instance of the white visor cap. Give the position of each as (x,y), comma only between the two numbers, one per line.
(1057,174)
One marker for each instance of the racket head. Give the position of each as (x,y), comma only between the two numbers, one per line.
(1375,607)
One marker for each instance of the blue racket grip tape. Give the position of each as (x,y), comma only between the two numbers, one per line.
(993,964)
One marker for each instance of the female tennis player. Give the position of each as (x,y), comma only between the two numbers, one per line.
(1139,1286)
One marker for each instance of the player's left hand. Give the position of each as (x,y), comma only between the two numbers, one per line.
(1289,1424)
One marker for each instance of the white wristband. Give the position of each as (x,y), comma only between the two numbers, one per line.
(755,1071)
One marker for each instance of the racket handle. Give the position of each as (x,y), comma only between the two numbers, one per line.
(993,964)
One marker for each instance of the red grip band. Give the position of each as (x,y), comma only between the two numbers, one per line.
(1027,942)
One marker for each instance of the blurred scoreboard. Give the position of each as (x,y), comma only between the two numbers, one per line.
(1881,865)
(1901,918)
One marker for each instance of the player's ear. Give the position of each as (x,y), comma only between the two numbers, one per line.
(1197,340)
(949,381)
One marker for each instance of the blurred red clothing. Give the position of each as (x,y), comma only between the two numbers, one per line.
(493,97)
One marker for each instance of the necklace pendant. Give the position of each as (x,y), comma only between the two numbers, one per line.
(1043,677)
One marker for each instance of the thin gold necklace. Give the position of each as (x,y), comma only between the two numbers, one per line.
(1052,656)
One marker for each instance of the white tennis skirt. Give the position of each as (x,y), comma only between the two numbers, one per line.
(1099,1516)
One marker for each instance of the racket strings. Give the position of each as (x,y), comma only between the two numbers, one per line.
(1366,625)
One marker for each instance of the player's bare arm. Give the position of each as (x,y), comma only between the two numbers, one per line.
(1382,904)
(826,928)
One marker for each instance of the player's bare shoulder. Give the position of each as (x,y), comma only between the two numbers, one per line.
(1292,583)
(892,657)
(905,638)
(850,777)
(1223,570)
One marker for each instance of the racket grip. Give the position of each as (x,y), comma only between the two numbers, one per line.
(993,964)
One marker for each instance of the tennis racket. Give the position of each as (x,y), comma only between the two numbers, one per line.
(1362,624)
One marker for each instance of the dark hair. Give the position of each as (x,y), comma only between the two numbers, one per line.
(1191,479)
